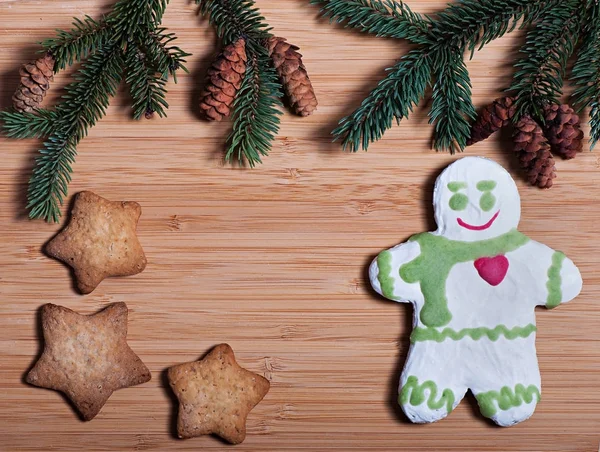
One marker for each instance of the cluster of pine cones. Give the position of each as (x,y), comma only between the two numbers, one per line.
(227,71)
(534,144)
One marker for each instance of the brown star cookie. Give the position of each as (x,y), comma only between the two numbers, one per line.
(87,357)
(216,395)
(100,240)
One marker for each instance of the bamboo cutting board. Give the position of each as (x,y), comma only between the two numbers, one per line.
(273,260)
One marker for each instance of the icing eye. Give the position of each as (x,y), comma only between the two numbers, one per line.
(456,186)
(487,202)
(486,185)
(459,201)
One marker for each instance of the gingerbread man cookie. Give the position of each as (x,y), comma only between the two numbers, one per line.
(474,284)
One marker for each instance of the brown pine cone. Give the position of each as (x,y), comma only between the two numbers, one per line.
(563,130)
(493,117)
(35,82)
(533,150)
(288,63)
(223,81)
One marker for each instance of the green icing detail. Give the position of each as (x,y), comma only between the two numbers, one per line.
(459,202)
(506,398)
(456,186)
(438,255)
(487,202)
(386,281)
(414,393)
(431,334)
(555,281)
(486,185)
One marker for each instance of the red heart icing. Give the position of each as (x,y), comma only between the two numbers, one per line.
(492,269)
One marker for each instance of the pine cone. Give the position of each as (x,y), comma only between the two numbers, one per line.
(35,82)
(563,130)
(288,63)
(533,151)
(223,81)
(493,117)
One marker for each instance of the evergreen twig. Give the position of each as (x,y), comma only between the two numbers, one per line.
(146,84)
(471,24)
(255,112)
(586,72)
(85,102)
(452,108)
(255,117)
(383,18)
(125,44)
(539,78)
(235,18)
(394,98)
(83,39)
(29,125)
(169,59)
(467,25)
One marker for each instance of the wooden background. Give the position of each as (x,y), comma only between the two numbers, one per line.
(273,260)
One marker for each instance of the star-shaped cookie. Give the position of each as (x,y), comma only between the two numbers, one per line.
(87,357)
(100,240)
(215,395)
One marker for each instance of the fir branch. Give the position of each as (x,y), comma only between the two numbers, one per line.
(586,72)
(383,18)
(167,58)
(452,107)
(84,38)
(85,102)
(49,182)
(539,78)
(594,123)
(255,112)
(472,24)
(146,84)
(466,25)
(235,18)
(129,37)
(133,18)
(394,98)
(28,125)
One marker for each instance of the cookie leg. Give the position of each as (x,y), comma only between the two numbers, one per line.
(508,405)
(428,387)
(508,386)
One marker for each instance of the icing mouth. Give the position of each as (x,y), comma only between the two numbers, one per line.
(478,228)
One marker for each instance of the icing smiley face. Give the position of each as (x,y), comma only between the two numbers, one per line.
(476,199)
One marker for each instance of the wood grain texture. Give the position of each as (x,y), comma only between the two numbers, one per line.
(273,260)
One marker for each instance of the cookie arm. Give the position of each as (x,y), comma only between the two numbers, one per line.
(564,281)
(384,273)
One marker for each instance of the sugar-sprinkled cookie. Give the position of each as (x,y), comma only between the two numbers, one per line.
(474,284)
(87,357)
(216,395)
(100,240)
